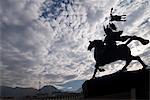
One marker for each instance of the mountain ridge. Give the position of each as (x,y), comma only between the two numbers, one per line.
(6,91)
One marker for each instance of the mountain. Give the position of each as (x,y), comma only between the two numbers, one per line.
(78,90)
(18,91)
(72,86)
(48,90)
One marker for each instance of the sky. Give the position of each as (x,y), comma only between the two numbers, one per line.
(47,40)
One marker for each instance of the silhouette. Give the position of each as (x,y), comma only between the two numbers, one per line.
(104,56)
(113,36)
(119,86)
(117,17)
(107,51)
(113,26)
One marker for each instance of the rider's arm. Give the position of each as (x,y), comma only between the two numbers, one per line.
(124,38)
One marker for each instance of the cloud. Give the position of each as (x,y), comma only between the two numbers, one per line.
(23,45)
(47,40)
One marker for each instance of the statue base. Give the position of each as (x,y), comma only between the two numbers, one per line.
(134,83)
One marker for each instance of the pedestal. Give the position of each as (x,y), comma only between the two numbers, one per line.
(119,82)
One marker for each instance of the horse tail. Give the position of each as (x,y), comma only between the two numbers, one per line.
(143,41)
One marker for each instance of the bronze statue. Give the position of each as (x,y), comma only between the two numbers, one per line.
(107,51)
(105,56)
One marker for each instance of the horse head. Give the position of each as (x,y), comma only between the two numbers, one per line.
(95,43)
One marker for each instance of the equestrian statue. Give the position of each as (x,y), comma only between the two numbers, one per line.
(107,51)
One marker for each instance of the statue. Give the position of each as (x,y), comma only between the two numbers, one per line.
(107,51)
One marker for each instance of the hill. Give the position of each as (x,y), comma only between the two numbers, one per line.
(6,91)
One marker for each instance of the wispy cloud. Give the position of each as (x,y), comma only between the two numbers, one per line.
(46,40)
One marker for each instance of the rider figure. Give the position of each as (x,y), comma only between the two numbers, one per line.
(112,35)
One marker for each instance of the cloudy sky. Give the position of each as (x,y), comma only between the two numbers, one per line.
(47,40)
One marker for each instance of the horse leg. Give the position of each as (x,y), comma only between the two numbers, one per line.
(94,73)
(139,59)
(96,68)
(127,63)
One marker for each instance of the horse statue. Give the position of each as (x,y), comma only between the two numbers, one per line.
(104,55)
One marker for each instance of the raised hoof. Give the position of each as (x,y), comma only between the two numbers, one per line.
(145,42)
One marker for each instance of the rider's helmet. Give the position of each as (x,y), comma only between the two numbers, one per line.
(112,26)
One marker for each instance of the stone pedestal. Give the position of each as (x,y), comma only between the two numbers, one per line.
(119,82)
